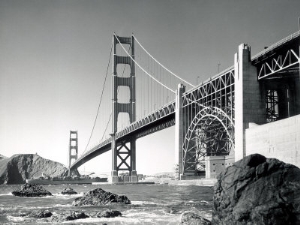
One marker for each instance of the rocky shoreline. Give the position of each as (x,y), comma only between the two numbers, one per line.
(254,190)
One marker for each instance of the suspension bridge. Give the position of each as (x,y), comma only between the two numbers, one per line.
(210,119)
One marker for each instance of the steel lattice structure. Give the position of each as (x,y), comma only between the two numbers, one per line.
(209,121)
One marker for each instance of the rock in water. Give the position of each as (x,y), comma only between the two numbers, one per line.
(31,190)
(109,214)
(257,190)
(190,218)
(44,213)
(76,215)
(99,197)
(69,191)
(18,168)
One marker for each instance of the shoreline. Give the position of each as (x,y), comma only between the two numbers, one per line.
(166,181)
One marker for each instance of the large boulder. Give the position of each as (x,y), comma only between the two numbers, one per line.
(18,168)
(257,190)
(31,190)
(99,197)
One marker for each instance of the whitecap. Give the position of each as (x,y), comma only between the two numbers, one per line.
(6,194)
(15,218)
(60,205)
(143,203)
(206,202)
(59,195)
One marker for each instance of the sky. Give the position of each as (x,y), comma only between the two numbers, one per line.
(54,54)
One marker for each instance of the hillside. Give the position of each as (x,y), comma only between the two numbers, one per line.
(18,168)
(2,157)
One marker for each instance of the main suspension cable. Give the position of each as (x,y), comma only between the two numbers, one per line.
(162,64)
(103,87)
(142,67)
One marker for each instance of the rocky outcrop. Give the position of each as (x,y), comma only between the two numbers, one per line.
(190,218)
(62,216)
(69,191)
(257,190)
(31,190)
(99,197)
(18,168)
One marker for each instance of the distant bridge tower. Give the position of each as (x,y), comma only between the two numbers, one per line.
(126,154)
(73,147)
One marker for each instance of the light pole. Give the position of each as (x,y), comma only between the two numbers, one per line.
(298,23)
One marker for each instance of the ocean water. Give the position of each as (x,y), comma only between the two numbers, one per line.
(151,204)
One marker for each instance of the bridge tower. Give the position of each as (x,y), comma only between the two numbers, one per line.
(121,149)
(73,147)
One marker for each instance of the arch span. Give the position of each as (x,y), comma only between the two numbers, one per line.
(211,132)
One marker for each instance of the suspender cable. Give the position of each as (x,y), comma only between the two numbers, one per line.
(162,64)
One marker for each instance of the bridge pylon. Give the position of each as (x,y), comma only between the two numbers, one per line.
(124,150)
(73,148)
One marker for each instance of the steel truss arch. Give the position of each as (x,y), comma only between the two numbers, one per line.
(210,120)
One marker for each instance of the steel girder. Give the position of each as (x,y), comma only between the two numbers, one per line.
(151,118)
(285,63)
(215,92)
(282,58)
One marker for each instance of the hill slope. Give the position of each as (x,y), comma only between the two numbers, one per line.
(18,168)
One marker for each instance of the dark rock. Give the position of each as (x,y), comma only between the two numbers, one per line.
(69,191)
(190,218)
(109,213)
(257,190)
(40,214)
(76,215)
(99,197)
(31,190)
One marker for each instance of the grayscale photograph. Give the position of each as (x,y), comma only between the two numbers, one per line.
(119,112)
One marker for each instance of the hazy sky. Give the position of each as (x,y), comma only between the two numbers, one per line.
(53,58)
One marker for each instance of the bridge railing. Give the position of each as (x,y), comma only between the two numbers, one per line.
(150,118)
(277,44)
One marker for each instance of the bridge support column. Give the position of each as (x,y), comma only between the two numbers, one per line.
(114,172)
(73,148)
(133,173)
(179,132)
(121,152)
(249,99)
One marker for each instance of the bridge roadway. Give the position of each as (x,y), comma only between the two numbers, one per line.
(158,120)
(165,116)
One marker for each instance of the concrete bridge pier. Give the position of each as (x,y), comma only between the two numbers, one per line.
(179,125)
(249,98)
